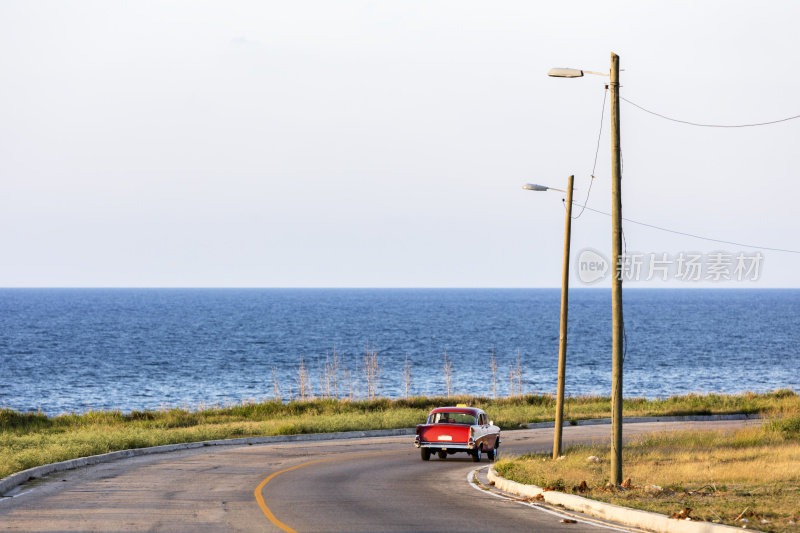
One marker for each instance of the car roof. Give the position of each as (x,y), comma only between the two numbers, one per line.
(469,410)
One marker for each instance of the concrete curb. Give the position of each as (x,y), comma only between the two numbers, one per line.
(14,480)
(643,419)
(607,511)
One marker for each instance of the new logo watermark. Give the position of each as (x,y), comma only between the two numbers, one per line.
(592,266)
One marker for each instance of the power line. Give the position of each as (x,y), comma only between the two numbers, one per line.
(697,236)
(710,125)
(596,152)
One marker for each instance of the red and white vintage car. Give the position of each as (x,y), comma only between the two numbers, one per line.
(451,430)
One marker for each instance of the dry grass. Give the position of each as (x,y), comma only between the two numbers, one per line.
(725,477)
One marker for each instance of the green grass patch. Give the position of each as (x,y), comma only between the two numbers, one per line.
(33,439)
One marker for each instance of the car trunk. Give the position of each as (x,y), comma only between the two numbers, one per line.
(444,433)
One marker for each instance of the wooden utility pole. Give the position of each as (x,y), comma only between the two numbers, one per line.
(616,284)
(562,339)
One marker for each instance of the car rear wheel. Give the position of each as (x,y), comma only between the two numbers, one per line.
(442,454)
(476,455)
(425,453)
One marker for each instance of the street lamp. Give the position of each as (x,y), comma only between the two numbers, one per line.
(571,73)
(616,251)
(562,339)
(535,187)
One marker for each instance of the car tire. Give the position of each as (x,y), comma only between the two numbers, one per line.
(425,453)
(442,454)
(476,456)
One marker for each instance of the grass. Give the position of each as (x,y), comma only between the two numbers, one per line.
(33,439)
(726,477)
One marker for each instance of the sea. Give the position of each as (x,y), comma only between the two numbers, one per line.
(74,350)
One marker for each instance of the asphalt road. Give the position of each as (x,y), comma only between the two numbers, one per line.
(378,484)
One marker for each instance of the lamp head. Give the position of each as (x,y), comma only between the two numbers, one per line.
(565,73)
(534,187)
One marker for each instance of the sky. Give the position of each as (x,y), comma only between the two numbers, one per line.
(385,143)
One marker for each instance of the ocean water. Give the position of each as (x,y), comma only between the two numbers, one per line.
(64,350)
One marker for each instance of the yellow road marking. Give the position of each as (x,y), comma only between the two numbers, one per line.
(266,509)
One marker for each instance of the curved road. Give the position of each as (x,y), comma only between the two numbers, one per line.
(377,484)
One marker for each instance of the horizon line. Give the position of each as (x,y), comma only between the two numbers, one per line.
(424,287)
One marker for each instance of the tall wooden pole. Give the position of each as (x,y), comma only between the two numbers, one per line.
(562,339)
(616,284)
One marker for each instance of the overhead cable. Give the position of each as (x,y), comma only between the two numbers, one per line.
(596,152)
(710,125)
(698,236)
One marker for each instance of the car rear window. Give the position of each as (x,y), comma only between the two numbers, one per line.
(451,418)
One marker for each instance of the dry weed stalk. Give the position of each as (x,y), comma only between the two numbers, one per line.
(493,366)
(407,377)
(323,379)
(347,379)
(357,382)
(372,372)
(448,373)
(303,382)
(275,386)
(518,374)
(333,372)
(329,376)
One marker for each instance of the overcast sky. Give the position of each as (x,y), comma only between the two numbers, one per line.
(384,143)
